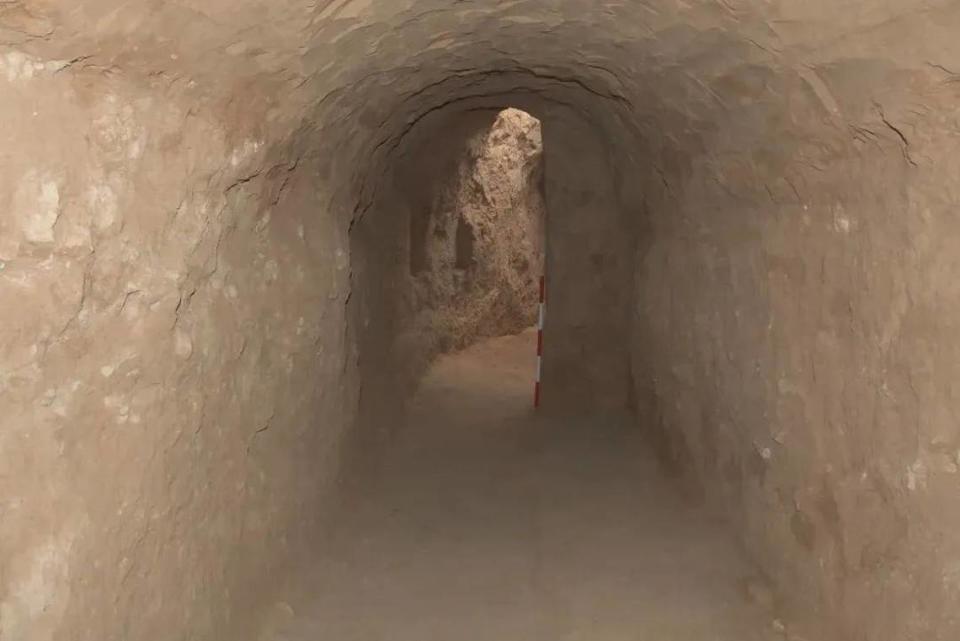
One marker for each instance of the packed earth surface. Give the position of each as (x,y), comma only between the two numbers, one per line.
(236,237)
(484,520)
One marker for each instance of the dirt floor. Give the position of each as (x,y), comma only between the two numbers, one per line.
(488,522)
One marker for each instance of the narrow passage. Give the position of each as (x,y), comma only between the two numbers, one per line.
(487,522)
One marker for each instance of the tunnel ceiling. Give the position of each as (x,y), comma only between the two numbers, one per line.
(359,72)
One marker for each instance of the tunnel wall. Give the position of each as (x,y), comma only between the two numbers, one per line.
(174,374)
(794,345)
(589,260)
(727,281)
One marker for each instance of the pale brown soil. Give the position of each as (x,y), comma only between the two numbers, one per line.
(487,522)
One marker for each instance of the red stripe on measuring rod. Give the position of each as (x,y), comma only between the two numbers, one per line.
(542,311)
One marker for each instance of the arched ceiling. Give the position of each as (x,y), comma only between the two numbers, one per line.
(358,73)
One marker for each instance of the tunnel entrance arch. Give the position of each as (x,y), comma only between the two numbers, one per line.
(453,246)
(415,258)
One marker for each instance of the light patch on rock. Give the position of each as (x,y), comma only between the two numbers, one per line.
(118,405)
(118,130)
(182,344)
(48,396)
(841,222)
(443,43)
(263,222)
(820,89)
(237,48)
(40,594)
(58,399)
(135,149)
(244,152)
(916,476)
(36,206)
(103,205)
(355,9)
(349,9)
(271,270)
(951,575)
(16,65)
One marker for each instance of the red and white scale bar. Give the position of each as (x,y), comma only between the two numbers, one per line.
(543,300)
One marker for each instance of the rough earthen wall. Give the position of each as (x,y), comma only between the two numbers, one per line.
(795,332)
(178,367)
(174,376)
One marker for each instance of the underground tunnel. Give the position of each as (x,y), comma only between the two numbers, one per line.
(268,272)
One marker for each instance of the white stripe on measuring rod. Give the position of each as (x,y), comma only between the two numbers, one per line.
(539,367)
(540,322)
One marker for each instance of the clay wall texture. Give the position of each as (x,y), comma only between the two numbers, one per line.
(182,193)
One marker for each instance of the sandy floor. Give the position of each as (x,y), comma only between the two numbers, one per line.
(487,522)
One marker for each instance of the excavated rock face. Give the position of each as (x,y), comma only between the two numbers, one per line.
(751,239)
(477,251)
(452,249)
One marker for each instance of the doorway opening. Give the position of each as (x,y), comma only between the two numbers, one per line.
(476,248)
(452,252)
(476,243)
